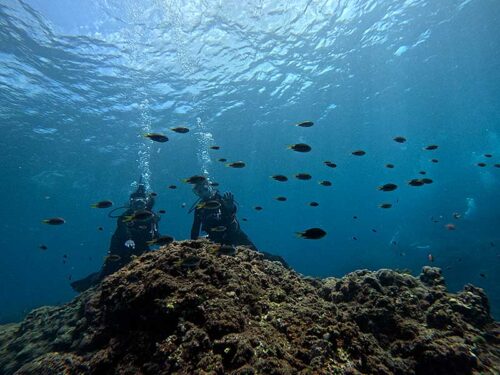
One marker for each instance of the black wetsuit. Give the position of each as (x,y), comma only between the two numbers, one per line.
(212,221)
(119,254)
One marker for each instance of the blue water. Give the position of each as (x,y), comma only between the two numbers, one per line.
(81,81)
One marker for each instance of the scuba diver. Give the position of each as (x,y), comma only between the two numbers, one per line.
(215,214)
(135,227)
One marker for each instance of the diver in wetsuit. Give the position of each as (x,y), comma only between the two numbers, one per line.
(129,239)
(215,214)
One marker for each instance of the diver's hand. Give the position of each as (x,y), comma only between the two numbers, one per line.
(228,199)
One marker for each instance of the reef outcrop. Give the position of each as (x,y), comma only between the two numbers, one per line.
(186,309)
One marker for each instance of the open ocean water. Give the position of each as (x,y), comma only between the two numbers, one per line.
(81,82)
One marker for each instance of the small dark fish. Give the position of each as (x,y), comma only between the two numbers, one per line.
(153,194)
(162,211)
(54,221)
(279,177)
(180,129)
(258,208)
(173,187)
(222,160)
(355,217)
(488,155)
(43,247)
(359,152)
(112,258)
(434,160)
(214,184)
(385,205)
(183,205)
(390,166)
(415,182)
(244,219)
(374,230)
(157,137)
(312,234)
(303,176)
(100,229)
(215,147)
(482,275)
(189,262)
(314,204)
(388,187)
(394,243)
(422,172)
(236,164)
(161,241)
(281,199)
(400,139)
(496,165)
(325,183)
(427,181)
(330,164)
(305,124)
(140,215)
(209,205)
(481,164)
(300,147)
(219,228)
(195,179)
(226,250)
(102,204)
(354,238)
(65,256)
(456,215)
(492,244)
(431,147)
(70,277)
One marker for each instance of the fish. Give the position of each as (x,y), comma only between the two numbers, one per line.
(222,160)
(219,228)
(258,208)
(153,194)
(236,164)
(435,160)
(456,215)
(374,230)
(180,129)
(488,155)
(415,182)
(305,124)
(189,262)
(314,204)
(496,165)
(100,228)
(54,221)
(303,176)
(385,205)
(330,164)
(354,217)
(431,147)
(43,247)
(388,187)
(399,139)
(215,147)
(160,241)
(112,258)
(450,226)
(226,250)
(325,183)
(279,177)
(183,205)
(157,137)
(139,215)
(354,238)
(162,211)
(102,204)
(481,164)
(358,152)
(389,165)
(173,187)
(244,219)
(195,179)
(209,205)
(300,147)
(430,257)
(311,234)
(281,199)
(422,172)
(482,275)
(427,180)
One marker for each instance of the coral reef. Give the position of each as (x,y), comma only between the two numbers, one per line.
(241,314)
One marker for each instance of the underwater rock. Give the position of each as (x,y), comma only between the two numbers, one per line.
(243,314)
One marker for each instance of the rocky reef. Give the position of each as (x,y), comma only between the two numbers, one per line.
(187,309)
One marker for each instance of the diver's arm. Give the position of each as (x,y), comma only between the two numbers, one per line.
(195,228)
